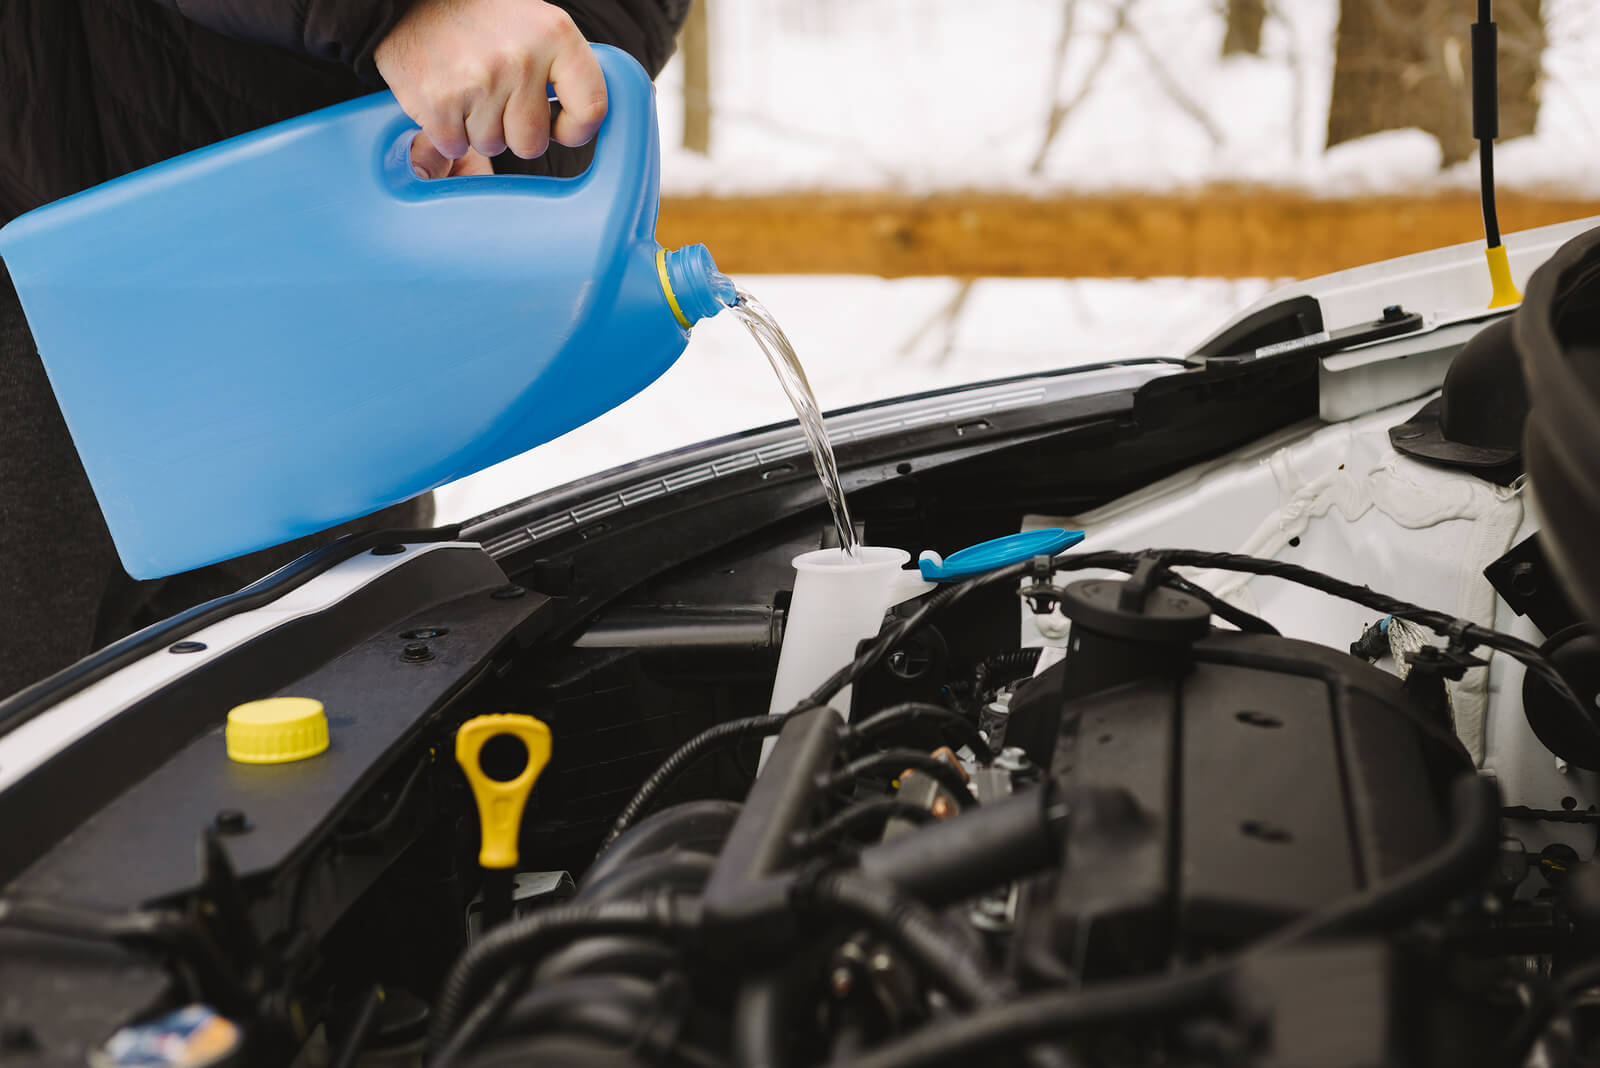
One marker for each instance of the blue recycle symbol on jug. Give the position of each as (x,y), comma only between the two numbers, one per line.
(288,330)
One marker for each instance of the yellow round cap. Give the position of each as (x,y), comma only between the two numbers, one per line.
(277,730)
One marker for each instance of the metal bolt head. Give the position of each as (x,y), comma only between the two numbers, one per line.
(416,652)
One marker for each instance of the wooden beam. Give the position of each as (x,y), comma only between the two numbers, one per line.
(1225,232)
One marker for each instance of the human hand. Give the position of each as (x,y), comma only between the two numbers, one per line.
(473,74)
(429,162)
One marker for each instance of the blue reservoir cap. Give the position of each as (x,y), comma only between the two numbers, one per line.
(997,552)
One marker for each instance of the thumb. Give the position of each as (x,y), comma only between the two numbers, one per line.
(427,160)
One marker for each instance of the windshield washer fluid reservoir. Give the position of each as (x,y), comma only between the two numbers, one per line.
(288,330)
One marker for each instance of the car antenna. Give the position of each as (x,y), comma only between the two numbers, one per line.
(1486,127)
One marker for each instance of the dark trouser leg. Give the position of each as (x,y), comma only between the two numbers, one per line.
(56,557)
(130,605)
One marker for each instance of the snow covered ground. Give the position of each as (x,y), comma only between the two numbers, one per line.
(865,339)
(949,94)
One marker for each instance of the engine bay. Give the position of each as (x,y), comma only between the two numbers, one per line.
(1290,762)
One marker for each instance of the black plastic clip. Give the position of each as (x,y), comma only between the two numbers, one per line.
(1042,594)
(1451,662)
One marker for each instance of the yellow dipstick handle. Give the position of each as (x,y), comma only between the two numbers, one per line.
(500,803)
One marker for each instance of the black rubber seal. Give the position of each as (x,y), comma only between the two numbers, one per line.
(46,693)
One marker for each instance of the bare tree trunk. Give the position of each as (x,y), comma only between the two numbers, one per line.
(695,43)
(1402,63)
(1243,36)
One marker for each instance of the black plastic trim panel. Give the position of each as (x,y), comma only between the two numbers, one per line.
(376,702)
(37,811)
(28,703)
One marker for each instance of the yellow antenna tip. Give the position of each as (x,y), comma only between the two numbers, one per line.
(1505,290)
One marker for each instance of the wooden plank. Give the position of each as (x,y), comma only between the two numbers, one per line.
(1225,232)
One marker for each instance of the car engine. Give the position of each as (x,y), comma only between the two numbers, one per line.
(1291,763)
(1179,843)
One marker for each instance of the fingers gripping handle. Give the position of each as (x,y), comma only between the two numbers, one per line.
(626,148)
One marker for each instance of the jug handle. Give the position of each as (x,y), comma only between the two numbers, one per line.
(625,147)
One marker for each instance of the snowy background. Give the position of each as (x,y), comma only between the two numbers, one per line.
(947,95)
(919,95)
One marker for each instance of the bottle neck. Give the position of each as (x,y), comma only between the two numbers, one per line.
(693,286)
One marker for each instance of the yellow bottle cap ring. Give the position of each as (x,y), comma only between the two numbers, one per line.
(666,288)
(277,730)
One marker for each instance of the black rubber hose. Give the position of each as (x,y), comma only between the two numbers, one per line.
(700,826)
(1465,856)
(1245,621)
(681,870)
(1581,720)
(517,943)
(729,733)
(973,1039)
(867,814)
(479,1021)
(373,832)
(759,1018)
(920,712)
(1545,1008)
(957,968)
(892,762)
(1008,839)
(635,955)
(1012,665)
(623,1010)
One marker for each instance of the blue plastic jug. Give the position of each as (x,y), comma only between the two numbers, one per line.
(290,329)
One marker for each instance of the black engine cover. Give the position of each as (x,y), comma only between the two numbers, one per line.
(1237,784)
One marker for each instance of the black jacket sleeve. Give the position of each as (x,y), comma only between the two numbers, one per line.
(342,31)
(348,31)
(645,29)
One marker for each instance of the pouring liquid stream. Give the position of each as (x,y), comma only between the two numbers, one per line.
(792,377)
